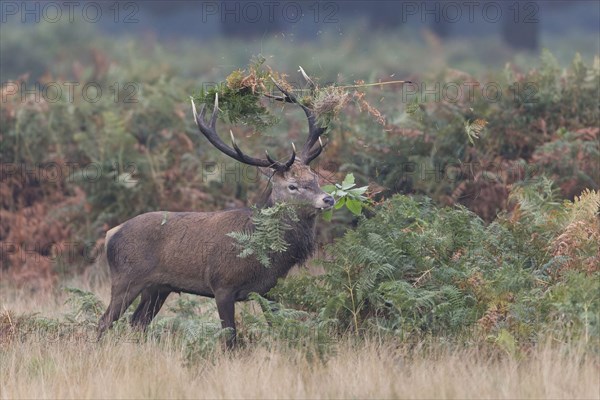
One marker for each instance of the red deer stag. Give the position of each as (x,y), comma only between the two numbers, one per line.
(157,253)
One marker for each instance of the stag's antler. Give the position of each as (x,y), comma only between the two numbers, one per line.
(210,131)
(307,154)
(314,130)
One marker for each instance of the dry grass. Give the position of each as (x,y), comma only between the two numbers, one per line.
(38,367)
(150,370)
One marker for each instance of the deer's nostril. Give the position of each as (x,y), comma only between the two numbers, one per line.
(329,200)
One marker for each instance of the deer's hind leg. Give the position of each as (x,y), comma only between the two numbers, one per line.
(121,297)
(150,304)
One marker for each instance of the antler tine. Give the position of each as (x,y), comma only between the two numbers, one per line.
(215,113)
(292,158)
(272,161)
(235,146)
(278,98)
(315,153)
(307,78)
(290,97)
(287,164)
(195,112)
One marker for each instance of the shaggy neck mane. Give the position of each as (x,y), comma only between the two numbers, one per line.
(301,236)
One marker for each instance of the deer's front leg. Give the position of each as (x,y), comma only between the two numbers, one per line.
(226,307)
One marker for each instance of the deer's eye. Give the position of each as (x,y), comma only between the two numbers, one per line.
(293,187)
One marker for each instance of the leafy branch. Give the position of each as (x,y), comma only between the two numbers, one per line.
(346,194)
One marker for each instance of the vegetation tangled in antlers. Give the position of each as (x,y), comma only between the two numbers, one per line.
(241,93)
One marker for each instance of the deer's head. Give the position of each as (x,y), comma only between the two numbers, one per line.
(292,181)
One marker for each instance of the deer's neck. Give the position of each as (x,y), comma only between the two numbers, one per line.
(300,238)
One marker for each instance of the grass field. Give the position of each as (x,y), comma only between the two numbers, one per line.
(74,365)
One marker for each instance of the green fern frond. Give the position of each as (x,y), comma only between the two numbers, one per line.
(268,237)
